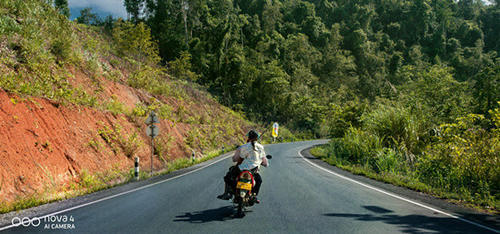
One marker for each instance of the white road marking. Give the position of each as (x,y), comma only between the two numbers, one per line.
(397,197)
(120,194)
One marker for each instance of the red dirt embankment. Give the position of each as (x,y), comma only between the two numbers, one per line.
(45,145)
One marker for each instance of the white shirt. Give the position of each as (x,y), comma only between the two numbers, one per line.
(252,158)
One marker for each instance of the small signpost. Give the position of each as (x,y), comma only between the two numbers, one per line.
(152,118)
(275,131)
(152,130)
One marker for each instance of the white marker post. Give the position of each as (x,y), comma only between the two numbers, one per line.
(136,172)
(152,130)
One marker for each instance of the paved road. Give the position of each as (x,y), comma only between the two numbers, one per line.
(296,198)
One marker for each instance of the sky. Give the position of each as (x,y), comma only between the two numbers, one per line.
(102,8)
(115,8)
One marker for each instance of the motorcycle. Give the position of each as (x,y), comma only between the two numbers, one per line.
(243,196)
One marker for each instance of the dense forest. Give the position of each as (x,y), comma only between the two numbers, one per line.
(407,88)
(296,61)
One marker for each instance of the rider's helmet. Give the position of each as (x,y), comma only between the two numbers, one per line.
(252,134)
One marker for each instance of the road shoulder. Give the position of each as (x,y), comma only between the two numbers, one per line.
(489,220)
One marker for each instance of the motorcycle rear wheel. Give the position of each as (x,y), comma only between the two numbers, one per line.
(239,212)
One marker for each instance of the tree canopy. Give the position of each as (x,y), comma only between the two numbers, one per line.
(289,60)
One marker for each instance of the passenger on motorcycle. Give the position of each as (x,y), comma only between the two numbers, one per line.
(248,157)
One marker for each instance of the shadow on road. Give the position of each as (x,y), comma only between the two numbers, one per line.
(377,209)
(412,223)
(219,214)
(492,220)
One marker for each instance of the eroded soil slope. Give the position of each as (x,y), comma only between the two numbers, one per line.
(45,146)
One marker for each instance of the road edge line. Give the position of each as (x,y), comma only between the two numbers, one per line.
(120,194)
(396,196)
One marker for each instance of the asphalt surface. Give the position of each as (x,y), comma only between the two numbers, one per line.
(296,197)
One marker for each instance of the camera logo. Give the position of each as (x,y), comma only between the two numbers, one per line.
(26,222)
(50,222)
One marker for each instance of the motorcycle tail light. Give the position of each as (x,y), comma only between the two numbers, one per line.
(246,176)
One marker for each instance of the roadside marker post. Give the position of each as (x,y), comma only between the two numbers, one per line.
(136,171)
(152,130)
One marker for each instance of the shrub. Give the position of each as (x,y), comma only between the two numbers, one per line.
(116,139)
(135,41)
(388,160)
(131,144)
(140,110)
(61,48)
(115,106)
(89,181)
(146,77)
(434,92)
(399,129)
(181,68)
(464,158)
(285,133)
(344,116)
(357,146)
(192,138)
(162,147)
(8,25)
(165,111)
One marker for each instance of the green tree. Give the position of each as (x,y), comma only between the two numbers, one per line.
(469,9)
(181,68)
(337,65)
(62,7)
(165,20)
(135,41)
(87,17)
(491,28)
(434,92)
(134,8)
(487,89)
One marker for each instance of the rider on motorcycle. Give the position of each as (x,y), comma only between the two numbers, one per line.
(248,157)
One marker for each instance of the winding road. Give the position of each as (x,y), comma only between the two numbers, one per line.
(296,197)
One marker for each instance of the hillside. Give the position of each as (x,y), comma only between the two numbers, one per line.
(73,101)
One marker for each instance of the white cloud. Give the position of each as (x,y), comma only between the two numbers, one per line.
(114,7)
